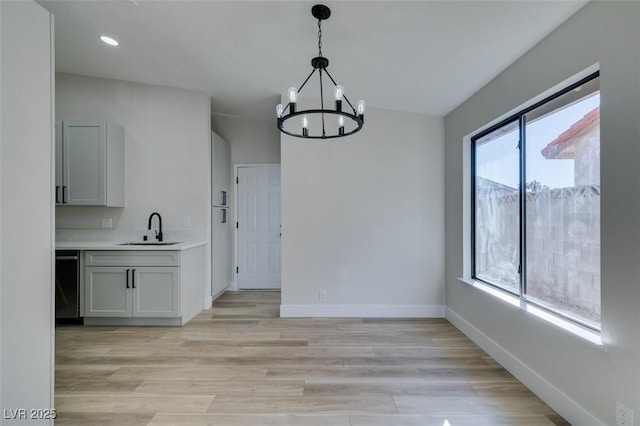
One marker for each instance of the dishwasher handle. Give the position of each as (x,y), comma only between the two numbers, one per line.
(66,257)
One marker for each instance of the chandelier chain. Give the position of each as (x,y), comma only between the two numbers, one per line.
(319,37)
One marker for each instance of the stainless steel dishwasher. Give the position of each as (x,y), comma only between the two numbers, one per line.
(67,285)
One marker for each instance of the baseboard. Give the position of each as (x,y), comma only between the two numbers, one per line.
(208,301)
(362,311)
(218,294)
(134,321)
(562,403)
(233,285)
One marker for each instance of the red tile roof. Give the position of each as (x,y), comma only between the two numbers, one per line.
(556,147)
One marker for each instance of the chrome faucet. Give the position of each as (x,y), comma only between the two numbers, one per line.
(159,231)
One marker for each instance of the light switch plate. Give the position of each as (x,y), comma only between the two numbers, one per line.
(186,222)
(107,222)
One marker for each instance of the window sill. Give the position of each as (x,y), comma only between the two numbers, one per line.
(588,335)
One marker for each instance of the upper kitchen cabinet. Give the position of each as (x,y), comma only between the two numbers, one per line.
(89,164)
(220,171)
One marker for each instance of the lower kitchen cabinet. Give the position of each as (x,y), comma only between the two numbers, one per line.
(143,287)
(156,293)
(106,294)
(118,291)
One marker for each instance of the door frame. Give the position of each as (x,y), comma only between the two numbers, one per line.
(234,281)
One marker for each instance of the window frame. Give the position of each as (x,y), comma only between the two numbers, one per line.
(520,118)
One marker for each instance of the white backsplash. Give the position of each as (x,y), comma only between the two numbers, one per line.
(126,235)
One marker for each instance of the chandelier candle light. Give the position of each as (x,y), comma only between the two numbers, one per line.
(353,116)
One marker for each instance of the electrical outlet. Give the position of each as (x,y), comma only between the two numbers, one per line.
(186,222)
(624,415)
(107,222)
(322,295)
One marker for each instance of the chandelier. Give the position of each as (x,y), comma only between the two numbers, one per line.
(323,123)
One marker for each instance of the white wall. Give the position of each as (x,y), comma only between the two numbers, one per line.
(167,154)
(363,218)
(579,380)
(167,150)
(26,209)
(252,141)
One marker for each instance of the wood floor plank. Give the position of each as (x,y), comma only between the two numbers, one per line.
(219,387)
(341,404)
(133,403)
(68,418)
(239,364)
(449,352)
(244,342)
(275,362)
(65,386)
(305,352)
(493,406)
(453,420)
(207,332)
(337,338)
(67,348)
(250,420)
(454,342)
(496,388)
(418,361)
(193,373)
(152,359)
(470,374)
(352,373)
(392,387)
(91,372)
(204,350)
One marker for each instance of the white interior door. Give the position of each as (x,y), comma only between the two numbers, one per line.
(258,227)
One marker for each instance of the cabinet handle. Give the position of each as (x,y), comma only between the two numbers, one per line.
(133,278)
(224,215)
(64,190)
(57,194)
(66,257)
(128,277)
(224,198)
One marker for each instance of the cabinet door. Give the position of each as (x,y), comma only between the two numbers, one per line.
(107,291)
(220,251)
(156,292)
(84,164)
(59,156)
(225,165)
(221,170)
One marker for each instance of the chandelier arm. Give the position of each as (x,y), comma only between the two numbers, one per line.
(349,102)
(322,103)
(305,82)
(343,95)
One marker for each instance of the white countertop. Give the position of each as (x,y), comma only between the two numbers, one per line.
(116,245)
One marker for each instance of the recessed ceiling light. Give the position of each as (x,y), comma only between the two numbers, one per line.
(109,41)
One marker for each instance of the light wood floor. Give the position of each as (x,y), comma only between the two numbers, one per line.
(239,364)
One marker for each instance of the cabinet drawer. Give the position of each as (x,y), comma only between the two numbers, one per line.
(127,257)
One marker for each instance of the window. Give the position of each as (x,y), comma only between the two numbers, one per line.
(536,204)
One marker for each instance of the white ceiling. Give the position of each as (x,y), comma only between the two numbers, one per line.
(416,56)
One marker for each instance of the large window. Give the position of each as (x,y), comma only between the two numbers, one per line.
(536,204)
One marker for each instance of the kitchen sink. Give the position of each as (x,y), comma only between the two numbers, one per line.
(148,243)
